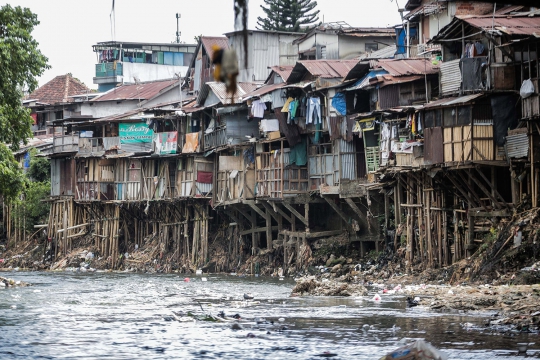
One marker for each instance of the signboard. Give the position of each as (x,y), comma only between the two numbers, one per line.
(166,142)
(135,133)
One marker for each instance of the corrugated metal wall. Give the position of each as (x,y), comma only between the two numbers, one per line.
(238,127)
(450,77)
(517,145)
(389,97)
(198,75)
(55,177)
(347,155)
(264,50)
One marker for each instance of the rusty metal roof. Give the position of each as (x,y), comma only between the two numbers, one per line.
(517,25)
(509,9)
(403,67)
(329,69)
(209,41)
(220,90)
(453,101)
(265,89)
(283,71)
(427,9)
(142,91)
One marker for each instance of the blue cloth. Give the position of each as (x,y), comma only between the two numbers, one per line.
(339,103)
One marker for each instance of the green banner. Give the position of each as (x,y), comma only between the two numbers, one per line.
(135,133)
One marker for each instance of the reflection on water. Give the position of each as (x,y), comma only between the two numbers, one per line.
(121,316)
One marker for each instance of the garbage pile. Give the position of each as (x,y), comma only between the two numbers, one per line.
(5,283)
(325,287)
(418,350)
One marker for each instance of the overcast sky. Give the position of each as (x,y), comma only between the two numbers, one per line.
(69,28)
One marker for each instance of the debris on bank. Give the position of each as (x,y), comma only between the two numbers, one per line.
(325,287)
(418,350)
(5,283)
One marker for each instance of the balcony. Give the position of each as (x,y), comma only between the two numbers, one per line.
(277,180)
(65,144)
(107,73)
(474,75)
(108,69)
(216,138)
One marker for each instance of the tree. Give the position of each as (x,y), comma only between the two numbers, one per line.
(21,64)
(288,15)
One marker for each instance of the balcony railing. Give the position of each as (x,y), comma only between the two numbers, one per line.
(216,138)
(109,69)
(66,143)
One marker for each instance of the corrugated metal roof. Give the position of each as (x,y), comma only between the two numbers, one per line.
(265,89)
(402,67)
(220,90)
(508,9)
(523,25)
(208,41)
(142,91)
(329,68)
(453,101)
(384,53)
(427,9)
(283,71)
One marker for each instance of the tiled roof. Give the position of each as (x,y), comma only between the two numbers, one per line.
(142,91)
(59,89)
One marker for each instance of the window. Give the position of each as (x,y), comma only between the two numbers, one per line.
(323,52)
(372,47)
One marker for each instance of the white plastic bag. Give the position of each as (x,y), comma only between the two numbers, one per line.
(527,89)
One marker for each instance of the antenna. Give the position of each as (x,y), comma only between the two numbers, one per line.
(178,28)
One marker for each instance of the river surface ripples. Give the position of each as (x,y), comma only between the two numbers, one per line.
(130,316)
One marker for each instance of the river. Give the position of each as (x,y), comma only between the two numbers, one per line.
(128,316)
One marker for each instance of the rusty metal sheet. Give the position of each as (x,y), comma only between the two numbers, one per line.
(433,146)
(283,71)
(517,25)
(450,77)
(209,41)
(220,90)
(265,89)
(401,67)
(143,91)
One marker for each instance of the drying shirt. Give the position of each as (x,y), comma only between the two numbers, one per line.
(293,106)
(257,108)
(286,106)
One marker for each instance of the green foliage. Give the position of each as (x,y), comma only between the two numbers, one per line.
(288,15)
(11,175)
(29,208)
(40,168)
(21,64)
(374,255)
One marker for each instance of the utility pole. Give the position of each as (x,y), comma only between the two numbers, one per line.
(178,28)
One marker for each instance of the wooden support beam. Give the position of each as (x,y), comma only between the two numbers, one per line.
(257,230)
(257,209)
(269,209)
(313,235)
(356,209)
(495,192)
(244,213)
(460,189)
(296,213)
(485,190)
(340,213)
(281,212)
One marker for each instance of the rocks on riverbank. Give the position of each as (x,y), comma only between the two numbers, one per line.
(5,283)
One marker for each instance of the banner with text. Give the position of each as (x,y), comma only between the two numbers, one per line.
(134,133)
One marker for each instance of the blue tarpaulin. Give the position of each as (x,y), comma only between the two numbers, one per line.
(338,102)
(401,34)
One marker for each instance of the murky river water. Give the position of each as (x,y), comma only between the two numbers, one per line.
(129,316)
